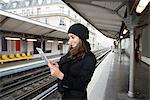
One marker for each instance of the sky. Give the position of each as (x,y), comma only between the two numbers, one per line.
(105,41)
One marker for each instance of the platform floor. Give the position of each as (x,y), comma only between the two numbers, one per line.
(110,80)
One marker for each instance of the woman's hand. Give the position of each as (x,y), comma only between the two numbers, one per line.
(54,67)
(53,63)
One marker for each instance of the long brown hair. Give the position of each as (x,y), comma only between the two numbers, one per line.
(79,51)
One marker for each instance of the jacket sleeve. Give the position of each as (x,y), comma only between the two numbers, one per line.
(81,82)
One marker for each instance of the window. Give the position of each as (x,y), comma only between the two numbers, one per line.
(23,12)
(46,20)
(69,12)
(38,11)
(32,12)
(61,10)
(15,12)
(14,5)
(56,1)
(93,39)
(47,8)
(28,12)
(75,18)
(62,21)
(27,3)
(87,24)
(48,1)
(80,20)
(70,22)
(43,20)
(37,20)
(40,2)
(1,5)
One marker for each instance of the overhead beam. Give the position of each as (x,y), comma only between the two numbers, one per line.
(110,35)
(120,6)
(4,21)
(106,24)
(108,30)
(45,34)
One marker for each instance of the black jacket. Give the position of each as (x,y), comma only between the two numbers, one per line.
(77,72)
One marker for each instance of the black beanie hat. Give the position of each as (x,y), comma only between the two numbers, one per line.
(79,30)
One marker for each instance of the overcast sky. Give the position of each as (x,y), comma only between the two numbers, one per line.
(105,41)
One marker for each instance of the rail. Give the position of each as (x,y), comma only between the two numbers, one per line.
(35,83)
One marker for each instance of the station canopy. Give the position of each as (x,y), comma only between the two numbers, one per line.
(15,23)
(106,15)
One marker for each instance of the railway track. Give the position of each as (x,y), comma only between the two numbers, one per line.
(33,83)
(18,87)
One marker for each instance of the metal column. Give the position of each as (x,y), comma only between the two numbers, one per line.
(120,50)
(42,40)
(131,71)
(130,25)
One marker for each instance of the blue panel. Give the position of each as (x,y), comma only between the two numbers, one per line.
(4,44)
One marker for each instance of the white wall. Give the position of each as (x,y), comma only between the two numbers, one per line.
(55,48)
(29,46)
(48,46)
(9,46)
(23,46)
(65,48)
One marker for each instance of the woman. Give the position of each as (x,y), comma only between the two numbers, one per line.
(75,69)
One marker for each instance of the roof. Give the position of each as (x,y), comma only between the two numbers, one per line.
(16,23)
(106,15)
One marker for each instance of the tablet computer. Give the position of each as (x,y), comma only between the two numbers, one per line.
(42,54)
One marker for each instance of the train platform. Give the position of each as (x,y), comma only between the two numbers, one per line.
(22,65)
(34,58)
(110,79)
